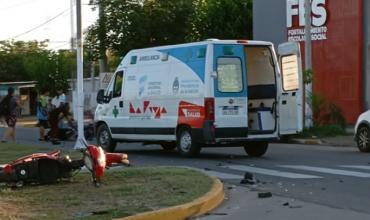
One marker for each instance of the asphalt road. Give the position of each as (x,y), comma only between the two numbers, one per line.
(306,181)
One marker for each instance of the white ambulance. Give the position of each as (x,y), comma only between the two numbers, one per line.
(210,93)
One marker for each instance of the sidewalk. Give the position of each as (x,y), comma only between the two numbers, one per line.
(31,121)
(27,121)
(340,141)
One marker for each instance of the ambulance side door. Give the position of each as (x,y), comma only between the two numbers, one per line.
(290,97)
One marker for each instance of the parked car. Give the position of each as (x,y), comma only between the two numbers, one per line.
(362,132)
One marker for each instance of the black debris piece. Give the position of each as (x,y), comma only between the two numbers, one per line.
(248,179)
(286,204)
(262,195)
(248,175)
(206,168)
(218,213)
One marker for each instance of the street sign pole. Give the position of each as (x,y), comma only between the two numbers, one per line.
(80,96)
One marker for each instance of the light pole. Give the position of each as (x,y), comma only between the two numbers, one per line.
(80,96)
(308,64)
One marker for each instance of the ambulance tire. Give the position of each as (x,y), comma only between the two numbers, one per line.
(104,138)
(256,149)
(168,146)
(186,144)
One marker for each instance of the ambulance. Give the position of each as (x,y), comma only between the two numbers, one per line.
(203,94)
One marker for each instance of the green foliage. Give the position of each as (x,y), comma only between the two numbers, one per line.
(12,56)
(334,115)
(224,19)
(130,24)
(133,24)
(308,76)
(22,61)
(325,113)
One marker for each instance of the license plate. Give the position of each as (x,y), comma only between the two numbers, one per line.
(234,110)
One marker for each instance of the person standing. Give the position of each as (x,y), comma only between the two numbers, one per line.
(42,113)
(11,117)
(60,99)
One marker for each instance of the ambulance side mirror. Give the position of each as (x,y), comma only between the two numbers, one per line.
(100,97)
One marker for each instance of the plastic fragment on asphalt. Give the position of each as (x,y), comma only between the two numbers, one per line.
(264,195)
(286,204)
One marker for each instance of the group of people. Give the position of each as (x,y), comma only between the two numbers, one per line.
(50,113)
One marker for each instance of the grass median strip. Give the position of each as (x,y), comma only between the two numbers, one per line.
(124,192)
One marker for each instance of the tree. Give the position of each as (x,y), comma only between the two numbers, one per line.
(23,61)
(130,24)
(137,24)
(224,19)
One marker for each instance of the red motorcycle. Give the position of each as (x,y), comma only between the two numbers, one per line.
(48,168)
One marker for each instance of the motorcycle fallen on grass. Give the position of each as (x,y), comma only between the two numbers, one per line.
(49,168)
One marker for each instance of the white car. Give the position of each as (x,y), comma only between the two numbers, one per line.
(362,132)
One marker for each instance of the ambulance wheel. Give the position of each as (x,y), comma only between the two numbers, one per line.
(186,144)
(256,149)
(104,138)
(168,146)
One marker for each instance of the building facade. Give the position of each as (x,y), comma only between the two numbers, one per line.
(340,45)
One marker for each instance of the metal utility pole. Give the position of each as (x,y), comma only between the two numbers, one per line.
(103,61)
(308,64)
(80,96)
(72,27)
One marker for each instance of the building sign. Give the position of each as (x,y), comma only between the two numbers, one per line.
(296,20)
(336,50)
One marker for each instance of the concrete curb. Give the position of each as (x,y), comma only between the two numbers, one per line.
(308,141)
(197,207)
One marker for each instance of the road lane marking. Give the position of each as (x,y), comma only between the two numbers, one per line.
(271,172)
(328,170)
(356,167)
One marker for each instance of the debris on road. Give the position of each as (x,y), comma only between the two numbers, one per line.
(248,179)
(263,195)
(286,204)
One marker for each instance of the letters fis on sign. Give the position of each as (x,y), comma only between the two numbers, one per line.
(296,8)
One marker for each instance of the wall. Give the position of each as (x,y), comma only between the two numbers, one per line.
(269,21)
(338,61)
(90,91)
